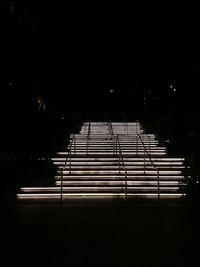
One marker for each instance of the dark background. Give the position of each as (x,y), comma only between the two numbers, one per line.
(73,55)
(97,62)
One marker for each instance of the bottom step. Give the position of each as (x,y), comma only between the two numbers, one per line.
(57,197)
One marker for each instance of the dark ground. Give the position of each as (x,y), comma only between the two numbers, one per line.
(107,234)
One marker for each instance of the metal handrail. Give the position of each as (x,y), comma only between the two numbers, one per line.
(62,170)
(121,159)
(111,128)
(111,132)
(157,170)
(123,164)
(89,128)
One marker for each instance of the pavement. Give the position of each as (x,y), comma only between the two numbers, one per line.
(101,233)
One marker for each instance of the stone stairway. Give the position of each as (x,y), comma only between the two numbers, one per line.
(112,160)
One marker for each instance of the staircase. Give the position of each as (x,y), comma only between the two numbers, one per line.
(112,160)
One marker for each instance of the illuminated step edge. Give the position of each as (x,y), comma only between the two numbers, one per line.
(96,163)
(102,151)
(95,195)
(116,183)
(106,152)
(112,149)
(39,190)
(111,142)
(114,167)
(120,134)
(94,188)
(125,159)
(84,166)
(104,144)
(120,177)
(129,172)
(113,123)
(124,145)
(128,164)
(111,145)
(106,137)
(109,138)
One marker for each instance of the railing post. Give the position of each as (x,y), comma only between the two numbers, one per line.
(121,159)
(110,129)
(157,170)
(67,157)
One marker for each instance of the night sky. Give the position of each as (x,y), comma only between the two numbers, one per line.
(80,60)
